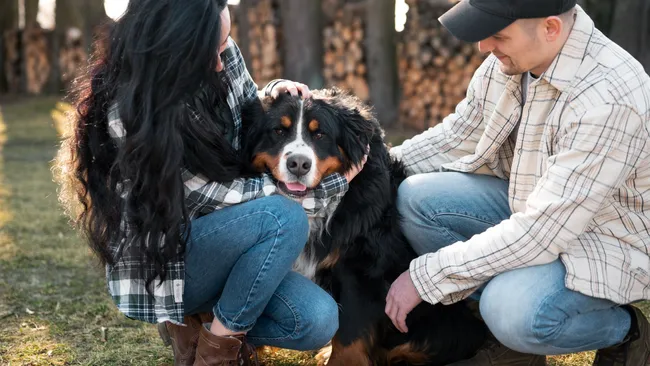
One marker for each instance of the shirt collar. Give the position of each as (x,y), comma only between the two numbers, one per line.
(564,67)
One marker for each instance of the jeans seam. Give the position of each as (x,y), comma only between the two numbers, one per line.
(235,220)
(296,316)
(436,215)
(534,326)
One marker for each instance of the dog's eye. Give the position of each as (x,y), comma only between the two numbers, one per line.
(279,131)
(318,135)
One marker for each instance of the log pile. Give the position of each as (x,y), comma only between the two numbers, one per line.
(265,41)
(37,63)
(72,57)
(434,67)
(344,55)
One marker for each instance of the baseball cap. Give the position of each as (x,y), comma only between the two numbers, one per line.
(475,20)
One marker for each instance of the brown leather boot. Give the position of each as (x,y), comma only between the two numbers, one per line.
(183,339)
(214,350)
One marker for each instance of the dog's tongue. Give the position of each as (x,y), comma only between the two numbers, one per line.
(299,187)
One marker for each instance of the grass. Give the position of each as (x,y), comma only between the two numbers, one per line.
(54,307)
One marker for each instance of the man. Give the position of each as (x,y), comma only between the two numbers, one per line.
(550,229)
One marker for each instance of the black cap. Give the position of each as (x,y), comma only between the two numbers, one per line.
(476,20)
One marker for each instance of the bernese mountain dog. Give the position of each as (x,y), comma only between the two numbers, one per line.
(358,249)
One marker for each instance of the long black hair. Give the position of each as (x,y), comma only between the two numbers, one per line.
(157,64)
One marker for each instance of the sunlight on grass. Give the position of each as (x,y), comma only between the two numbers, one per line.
(576,359)
(7,246)
(32,344)
(63,115)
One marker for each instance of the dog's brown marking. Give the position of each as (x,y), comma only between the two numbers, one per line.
(326,167)
(407,353)
(314,125)
(330,260)
(285,121)
(355,353)
(263,161)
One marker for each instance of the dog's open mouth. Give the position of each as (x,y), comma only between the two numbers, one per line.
(295,189)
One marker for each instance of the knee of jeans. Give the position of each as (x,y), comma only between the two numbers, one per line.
(292,218)
(508,321)
(409,199)
(523,326)
(320,323)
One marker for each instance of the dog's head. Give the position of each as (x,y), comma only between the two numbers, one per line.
(302,141)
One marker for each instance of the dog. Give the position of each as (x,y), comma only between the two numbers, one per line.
(357,249)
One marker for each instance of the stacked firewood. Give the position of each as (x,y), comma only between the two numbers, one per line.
(37,63)
(343,40)
(72,57)
(265,41)
(434,67)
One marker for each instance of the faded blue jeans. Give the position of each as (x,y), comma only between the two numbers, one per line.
(238,265)
(529,309)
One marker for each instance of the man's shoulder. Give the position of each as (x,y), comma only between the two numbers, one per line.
(610,75)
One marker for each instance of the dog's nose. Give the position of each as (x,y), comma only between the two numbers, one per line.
(298,165)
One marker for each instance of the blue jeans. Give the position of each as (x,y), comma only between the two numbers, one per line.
(528,309)
(238,265)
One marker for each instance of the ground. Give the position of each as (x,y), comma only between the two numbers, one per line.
(54,308)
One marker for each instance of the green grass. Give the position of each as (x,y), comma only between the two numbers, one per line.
(53,300)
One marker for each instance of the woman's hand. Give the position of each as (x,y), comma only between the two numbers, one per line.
(291,87)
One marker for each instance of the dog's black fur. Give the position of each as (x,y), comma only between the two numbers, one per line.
(363,249)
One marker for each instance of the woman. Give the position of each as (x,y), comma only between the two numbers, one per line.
(156,168)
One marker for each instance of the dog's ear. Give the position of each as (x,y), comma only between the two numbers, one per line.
(355,119)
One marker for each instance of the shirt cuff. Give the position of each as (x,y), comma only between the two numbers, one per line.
(424,283)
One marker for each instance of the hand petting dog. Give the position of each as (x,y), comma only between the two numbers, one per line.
(401,299)
(291,87)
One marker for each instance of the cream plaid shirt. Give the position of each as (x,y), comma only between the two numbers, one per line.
(579,172)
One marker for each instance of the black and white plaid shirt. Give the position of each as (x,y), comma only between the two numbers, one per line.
(125,284)
(579,172)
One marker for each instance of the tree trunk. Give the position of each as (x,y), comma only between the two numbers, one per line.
(631,29)
(302,43)
(8,21)
(381,51)
(243,37)
(31,12)
(601,11)
(8,15)
(68,14)
(94,19)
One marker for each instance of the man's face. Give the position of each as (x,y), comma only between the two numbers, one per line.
(518,47)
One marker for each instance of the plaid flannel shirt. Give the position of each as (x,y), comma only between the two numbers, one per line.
(125,284)
(579,172)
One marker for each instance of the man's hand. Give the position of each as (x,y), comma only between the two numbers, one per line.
(292,88)
(356,169)
(402,298)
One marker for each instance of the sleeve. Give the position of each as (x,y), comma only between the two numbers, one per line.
(596,153)
(456,136)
